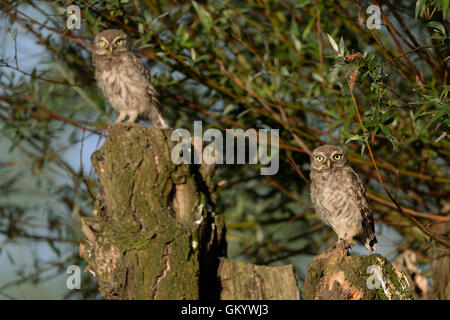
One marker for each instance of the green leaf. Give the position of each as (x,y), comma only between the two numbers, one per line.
(204,15)
(228,109)
(294,30)
(193,54)
(385,130)
(445,4)
(444,93)
(438,115)
(341,46)
(354,138)
(317,77)
(437,25)
(442,136)
(297,43)
(148,18)
(333,114)
(420,8)
(333,43)
(308,28)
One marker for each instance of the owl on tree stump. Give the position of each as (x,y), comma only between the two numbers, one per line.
(124,80)
(340,198)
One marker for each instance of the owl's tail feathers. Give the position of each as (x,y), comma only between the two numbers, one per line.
(371,244)
(160,123)
(155,116)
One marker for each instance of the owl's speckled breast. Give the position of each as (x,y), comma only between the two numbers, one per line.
(333,199)
(124,89)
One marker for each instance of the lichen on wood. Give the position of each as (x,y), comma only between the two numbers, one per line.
(335,275)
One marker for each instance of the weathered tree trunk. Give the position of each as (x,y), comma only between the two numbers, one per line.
(334,275)
(154,234)
(243,281)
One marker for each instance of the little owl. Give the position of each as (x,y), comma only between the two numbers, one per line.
(339,197)
(124,80)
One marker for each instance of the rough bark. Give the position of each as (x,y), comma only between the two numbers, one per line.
(334,275)
(441,266)
(243,281)
(154,234)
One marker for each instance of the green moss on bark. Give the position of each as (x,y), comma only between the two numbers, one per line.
(334,275)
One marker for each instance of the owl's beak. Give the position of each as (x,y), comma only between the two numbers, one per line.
(329,163)
(110,48)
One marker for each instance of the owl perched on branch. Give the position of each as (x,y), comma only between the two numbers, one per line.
(339,197)
(124,80)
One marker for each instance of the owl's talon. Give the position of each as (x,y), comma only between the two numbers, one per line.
(342,245)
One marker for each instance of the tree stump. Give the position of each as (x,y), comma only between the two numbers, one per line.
(154,234)
(334,275)
(244,281)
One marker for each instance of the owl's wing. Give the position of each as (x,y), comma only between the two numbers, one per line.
(153,94)
(361,198)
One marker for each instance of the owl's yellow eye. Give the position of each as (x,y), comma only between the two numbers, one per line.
(319,158)
(102,43)
(119,42)
(337,157)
